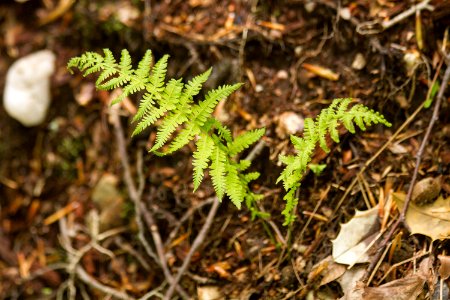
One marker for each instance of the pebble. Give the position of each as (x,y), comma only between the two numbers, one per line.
(289,123)
(27,88)
(359,62)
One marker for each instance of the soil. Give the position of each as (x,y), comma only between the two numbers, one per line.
(61,179)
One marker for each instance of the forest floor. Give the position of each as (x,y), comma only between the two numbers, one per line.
(73,227)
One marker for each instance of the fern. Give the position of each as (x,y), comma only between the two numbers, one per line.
(171,105)
(315,132)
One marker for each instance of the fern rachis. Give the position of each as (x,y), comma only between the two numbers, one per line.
(315,132)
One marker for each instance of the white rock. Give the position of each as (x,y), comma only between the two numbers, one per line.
(289,123)
(359,62)
(27,87)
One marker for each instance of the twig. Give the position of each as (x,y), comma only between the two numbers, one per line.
(374,27)
(148,218)
(91,281)
(75,270)
(140,207)
(197,242)
(134,193)
(185,217)
(256,150)
(128,248)
(401,219)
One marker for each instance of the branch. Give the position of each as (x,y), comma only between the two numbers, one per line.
(91,281)
(197,242)
(140,207)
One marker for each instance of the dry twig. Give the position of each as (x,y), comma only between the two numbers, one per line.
(197,242)
(141,209)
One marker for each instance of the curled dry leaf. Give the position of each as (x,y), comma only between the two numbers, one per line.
(350,246)
(407,288)
(86,94)
(444,268)
(432,220)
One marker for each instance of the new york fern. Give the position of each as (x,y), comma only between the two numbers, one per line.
(315,132)
(172,103)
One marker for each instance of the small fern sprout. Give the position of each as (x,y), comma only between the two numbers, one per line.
(315,132)
(181,119)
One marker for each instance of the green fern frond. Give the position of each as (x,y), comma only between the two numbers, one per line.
(184,137)
(222,130)
(244,141)
(149,113)
(250,177)
(315,133)
(193,87)
(291,203)
(235,187)
(158,74)
(168,126)
(244,164)
(202,111)
(144,66)
(170,106)
(202,157)
(217,172)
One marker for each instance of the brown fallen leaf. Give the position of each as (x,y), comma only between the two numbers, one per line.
(321,71)
(432,220)
(221,268)
(62,7)
(328,270)
(407,288)
(444,268)
(350,283)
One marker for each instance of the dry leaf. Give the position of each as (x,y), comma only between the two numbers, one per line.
(432,220)
(444,268)
(350,245)
(221,268)
(407,288)
(321,71)
(350,283)
(61,9)
(328,269)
